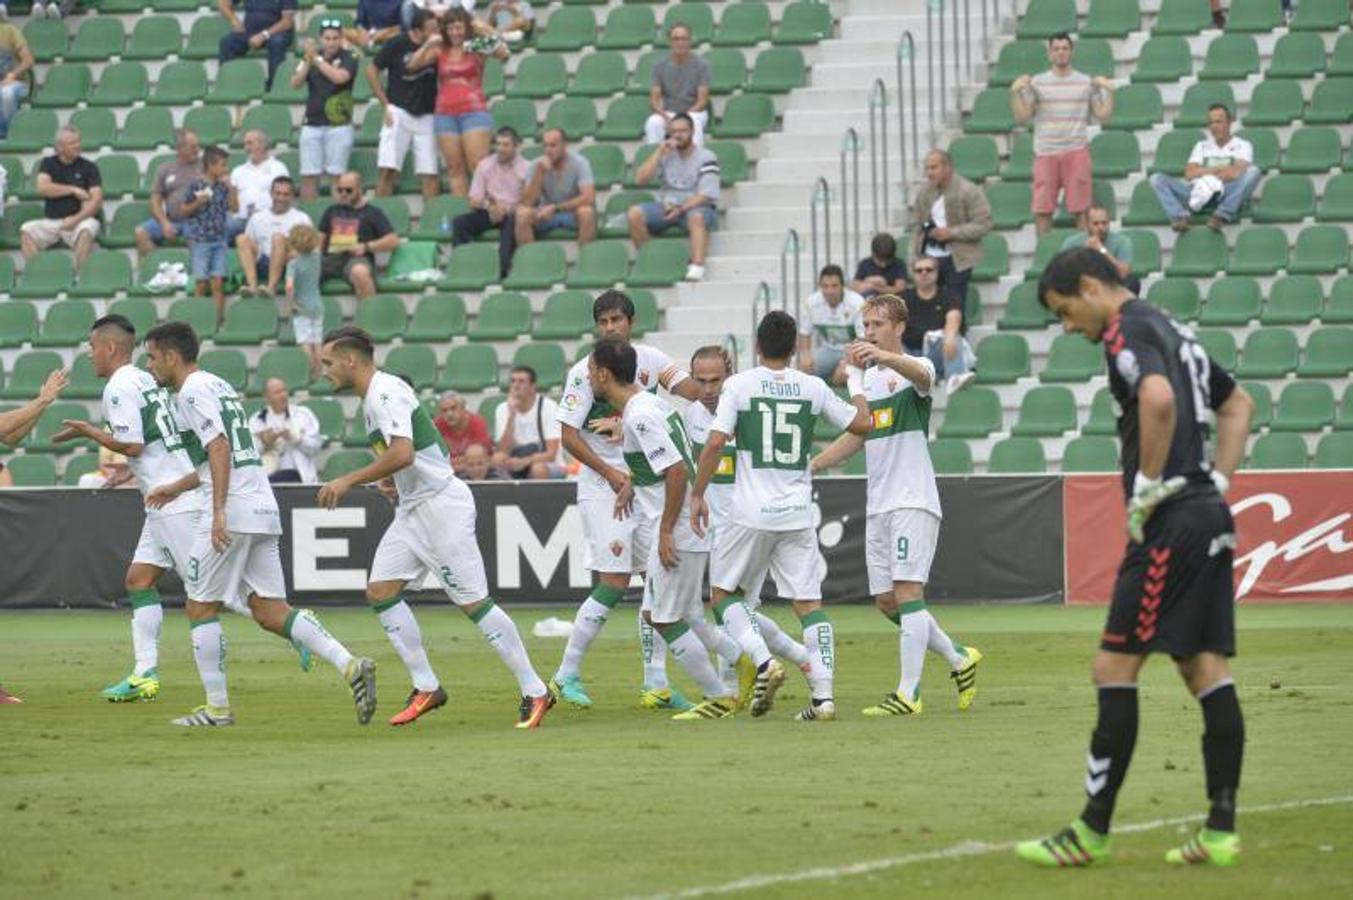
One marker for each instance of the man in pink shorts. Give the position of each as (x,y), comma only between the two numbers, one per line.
(1060,102)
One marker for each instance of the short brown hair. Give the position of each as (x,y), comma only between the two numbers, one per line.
(303,238)
(893,306)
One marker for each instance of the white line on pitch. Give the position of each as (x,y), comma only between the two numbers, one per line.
(957,851)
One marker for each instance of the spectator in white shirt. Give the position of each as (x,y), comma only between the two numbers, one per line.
(832,322)
(265,236)
(252,180)
(526,430)
(290,437)
(1220,170)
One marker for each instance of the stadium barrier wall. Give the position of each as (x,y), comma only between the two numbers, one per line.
(1001,540)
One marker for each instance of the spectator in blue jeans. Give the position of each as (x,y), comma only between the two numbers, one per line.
(270,23)
(210,201)
(16,65)
(689,196)
(935,326)
(1220,170)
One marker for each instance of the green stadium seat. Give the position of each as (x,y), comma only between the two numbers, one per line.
(1164,59)
(539,76)
(546,359)
(502,317)
(228,365)
(438,215)
(1072,359)
(1136,107)
(139,311)
(628,28)
(1090,454)
(995,262)
(1335,451)
(1277,451)
(1111,19)
(991,113)
(1304,406)
(437,318)
(97,39)
(472,268)
(204,38)
(1002,358)
(641,75)
(1339,306)
(1336,204)
(198,312)
(645,311)
(44,276)
(515,113)
(600,74)
(727,71)
(1017,456)
(154,37)
(1144,207)
(65,86)
(776,71)
(1198,97)
(1172,152)
(470,367)
(744,116)
(416,361)
(1199,252)
(1114,154)
(249,321)
(613,223)
(601,264)
(30,371)
(1341,59)
(15,216)
(1233,300)
(975,157)
(1102,420)
(1265,144)
(120,231)
(329,413)
(577,116)
(660,263)
(1221,346)
(104,274)
(1044,18)
(291,364)
(951,456)
(742,25)
(1020,166)
(567,316)
(1329,354)
(46,39)
(180,84)
(1268,353)
(274,121)
(1263,405)
(1293,300)
(1177,296)
(1182,17)
(77,467)
(19,323)
(382,316)
(212,124)
(1048,246)
(1286,198)
(1233,57)
(1023,312)
(1018,58)
(698,17)
(1343,419)
(146,128)
(1259,250)
(1094,57)
(1255,16)
(1010,204)
(98,129)
(1145,251)
(238,81)
(1048,411)
(1275,102)
(488,406)
(974,413)
(625,118)
(803,22)
(32,470)
(1320,15)
(537,266)
(733,164)
(1320,250)
(344,462)
(1312,149)
(1331,101)
(567,30)
(1297,55)
(121,84)
(374,117)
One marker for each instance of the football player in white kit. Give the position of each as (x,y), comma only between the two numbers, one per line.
(770,411)
(140,416)
(433,530)
(235,553)
(903,507)
(588,428)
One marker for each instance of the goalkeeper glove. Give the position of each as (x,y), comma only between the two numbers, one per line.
(1222,482)
(1147,494)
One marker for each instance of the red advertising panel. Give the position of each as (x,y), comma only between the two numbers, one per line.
(1294,536)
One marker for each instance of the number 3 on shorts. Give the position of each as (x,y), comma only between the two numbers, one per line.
(192,568)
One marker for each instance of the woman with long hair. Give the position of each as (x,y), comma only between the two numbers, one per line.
(462,122)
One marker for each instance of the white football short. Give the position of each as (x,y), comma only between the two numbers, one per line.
(251,564)
(167,543)
(609,540)
(742,556)
(407,131)
(752,596)
(899,545)
(676,594)
(436,535)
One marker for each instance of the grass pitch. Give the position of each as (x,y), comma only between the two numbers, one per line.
(103,800)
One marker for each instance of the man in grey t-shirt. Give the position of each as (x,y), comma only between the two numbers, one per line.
(689,195)
(167,194)
(680,84)
(559,194)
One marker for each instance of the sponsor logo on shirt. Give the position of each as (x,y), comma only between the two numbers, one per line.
(725,466)
(883,418)
(570,400)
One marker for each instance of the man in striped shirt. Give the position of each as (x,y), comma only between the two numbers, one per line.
(1060,102)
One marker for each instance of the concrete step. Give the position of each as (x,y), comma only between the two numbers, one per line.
(718,292)
(873,27)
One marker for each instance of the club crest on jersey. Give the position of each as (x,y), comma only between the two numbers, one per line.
(1128,367)
(643,378)
(892,385)
(617,548)
(641,427)
(115,401)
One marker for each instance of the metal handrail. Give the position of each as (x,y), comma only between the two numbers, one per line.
(822,193)
(906,52)
(850,198)
(792,245)
(878,155)
(762,302)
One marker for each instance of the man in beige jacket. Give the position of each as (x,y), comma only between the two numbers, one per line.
(949,216)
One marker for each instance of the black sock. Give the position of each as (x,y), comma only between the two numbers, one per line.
(1223,746)
(1111,746)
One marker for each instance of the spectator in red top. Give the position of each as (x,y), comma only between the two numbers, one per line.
(461,429)
(462,122)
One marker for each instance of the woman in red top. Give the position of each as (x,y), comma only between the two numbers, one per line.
(462,122)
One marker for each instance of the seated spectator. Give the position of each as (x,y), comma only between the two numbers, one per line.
(1220,170)
(72,201)
(560,193)
(689,194)
(113,472)
(377,21)
(304,304)
(270,23)
(327,71)
(949,218)
(409,98)
(527,431)
(253,180)
(16,65)
(495,191)
(832,322)
(352,233)
(935,327)
(265,237)
(679,84)
(210,201)
(1113,244)
(881,272)
(475,466)
(461,429)
(167,193)
(463,124)
(512,20)
(289,434)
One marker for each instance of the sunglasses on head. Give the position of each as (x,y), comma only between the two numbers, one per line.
(325,24)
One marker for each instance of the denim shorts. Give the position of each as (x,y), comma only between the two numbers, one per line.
(462,124)
(656,222)
(325,150)
(208,259)
(558,220)
(153,230)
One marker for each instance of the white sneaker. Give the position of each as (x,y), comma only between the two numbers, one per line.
(4,13)
(38,11)
(53,10)
(695,273)
(956,383)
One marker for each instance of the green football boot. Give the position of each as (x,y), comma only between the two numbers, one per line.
(133,687)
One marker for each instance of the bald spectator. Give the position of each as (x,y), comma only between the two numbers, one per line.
(460,428)
(477,466)
(679,84)
(560,193)
(949,218)
(72,201)
(265,235)
(289,435)
(253,180)
(352,232)
(169,192)
(266,23)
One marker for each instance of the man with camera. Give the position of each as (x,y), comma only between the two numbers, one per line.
(949,218)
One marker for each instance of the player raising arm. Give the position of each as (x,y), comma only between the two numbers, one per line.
(1173,593)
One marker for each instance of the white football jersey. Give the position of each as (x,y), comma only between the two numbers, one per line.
(719,493)
(654,441)
(771,413)
(392,410)
(209,408)
(833,326)
(897,447)
(139,411)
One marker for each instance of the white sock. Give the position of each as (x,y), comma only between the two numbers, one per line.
(690,651)
(209,652)
(501,632)
(945,646)
(587,625)
(913,635)
(305,629)
(407,638)
(716,639)
(146,622)
(781,644)
(820,642)
(737,618)
(653,650)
